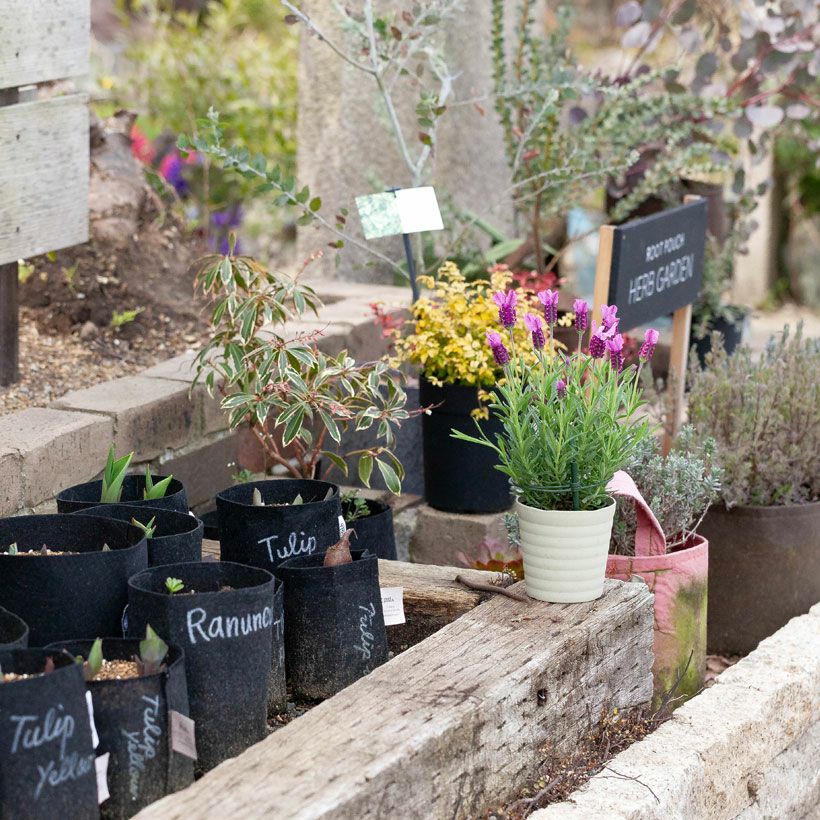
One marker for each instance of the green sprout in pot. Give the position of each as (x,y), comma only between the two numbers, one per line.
(157,490)
(354,506)
(149,529)
(113,476)
(153,651)
(174,585)
(94,663)
(12,549)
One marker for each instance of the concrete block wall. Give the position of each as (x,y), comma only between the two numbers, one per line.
(158,416)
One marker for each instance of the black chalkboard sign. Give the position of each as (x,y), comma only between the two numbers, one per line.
(657,263)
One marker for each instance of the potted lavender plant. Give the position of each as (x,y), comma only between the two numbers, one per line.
(570,422)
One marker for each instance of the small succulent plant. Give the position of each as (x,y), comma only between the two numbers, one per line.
(113,476)
(12,549)
(174,585)
(157,490)
(153,651)
(149,529)
(492,555)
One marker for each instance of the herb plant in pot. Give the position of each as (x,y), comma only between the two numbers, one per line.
(372,524)
(66,575)
(764,413)
(173,537)
(661,501)
(569,423)
(13,631)
(224,617)
(134,686)
(46,753)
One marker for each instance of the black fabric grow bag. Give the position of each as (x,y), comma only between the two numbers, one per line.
(13,631)
(266,536)
(82,496)
(177,537)
(132,722)
(335,630)
(46,754)
(459,476)
(374,533)
(227,640)
(277,685)
(69,597)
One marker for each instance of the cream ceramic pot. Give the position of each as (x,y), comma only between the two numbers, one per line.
(565,552)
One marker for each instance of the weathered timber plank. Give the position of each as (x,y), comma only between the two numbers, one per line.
(453,724)
(42,40)
(44,158)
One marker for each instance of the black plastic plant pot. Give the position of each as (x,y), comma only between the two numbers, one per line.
(459,476)
(266,536)
(46,753)
(13,631)
(335,626)
(133,724)
(225,630)
(177,536)
(82,496)
(211,521)
(68,597)
(374,532)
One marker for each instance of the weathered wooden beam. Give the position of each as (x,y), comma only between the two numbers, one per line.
(453,724)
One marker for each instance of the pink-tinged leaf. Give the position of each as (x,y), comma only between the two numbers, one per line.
(797,111)
(627,13)
(765,116)
(636,36)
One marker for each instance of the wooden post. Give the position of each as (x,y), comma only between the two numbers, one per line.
(603,269)
(9,315)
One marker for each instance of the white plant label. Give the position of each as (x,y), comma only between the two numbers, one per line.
(95,738)
(393,605)
(183,734)
(406,210)
(342,526)
(101,765)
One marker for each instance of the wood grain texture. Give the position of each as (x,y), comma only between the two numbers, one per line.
(44,165)
(42,40)
(452,725)
(603,269)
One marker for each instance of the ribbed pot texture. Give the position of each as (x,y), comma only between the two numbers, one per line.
(565,552)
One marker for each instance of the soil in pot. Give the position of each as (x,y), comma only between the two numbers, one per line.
(46,754)
(764,570)
(177,536)
(82,496)
(459,476)
(373,530)
(264,536)
(72,595)
(13,631)
(131,713)
(335,626)
(223,620)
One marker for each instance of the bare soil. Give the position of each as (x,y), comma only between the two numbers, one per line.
(118,670)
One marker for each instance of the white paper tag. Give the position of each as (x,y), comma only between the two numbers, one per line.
(393,605)
(101,765)
(342,526)
(95,738)
(183,734)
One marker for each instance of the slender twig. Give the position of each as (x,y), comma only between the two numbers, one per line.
(483,586)
(636,779)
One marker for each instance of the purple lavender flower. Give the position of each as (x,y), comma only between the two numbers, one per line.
(171,170)
(615,350)
(533,324)
(560,388)
(650,339)
(549,299)
(500,353)
(609,317)
(506,307)
(581,309)
(597,342)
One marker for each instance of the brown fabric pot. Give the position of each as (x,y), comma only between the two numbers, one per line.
(764,569)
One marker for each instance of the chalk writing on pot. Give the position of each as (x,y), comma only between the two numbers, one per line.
(297,545)
(143,743)
(279,632)
(201,627)
(55,727)
(366,637)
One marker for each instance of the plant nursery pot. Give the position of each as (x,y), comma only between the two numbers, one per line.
(459,476)
(225,631)
(374,533)
(133,724)
(67,597)
(177,536)
(265,536)
(764,569)
(211,521)
(13,631)
(565,552)
(335,626)
(82,496)
(679,580)
(46,753)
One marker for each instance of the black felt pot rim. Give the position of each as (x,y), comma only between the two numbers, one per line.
(229,494)
(192,521)
(312,564)
(61,662)
(12,619)
(178,571)
(72,493)
(80,555)
(376,508)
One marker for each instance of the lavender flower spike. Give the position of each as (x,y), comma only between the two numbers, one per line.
(560,388)
(506,307)
(581,309)
(609,317)
(615,349)
(650,339)
(597,342)
(549,299)
(533,324)
(500,353)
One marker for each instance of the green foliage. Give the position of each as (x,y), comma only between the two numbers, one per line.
(678,487)
(149,529)
(12,549)
(157,490)
(94,663)
(354,506)
(120,318)
(113,476)
(764,414)
(174,585)
(296,399)
(153,651)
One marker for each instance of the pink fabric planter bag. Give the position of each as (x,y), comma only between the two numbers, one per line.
(679,582)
